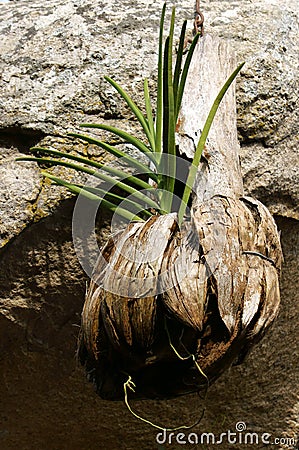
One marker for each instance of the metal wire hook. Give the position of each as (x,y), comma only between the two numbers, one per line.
(198,19)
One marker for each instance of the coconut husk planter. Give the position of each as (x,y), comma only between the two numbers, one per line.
(199,296)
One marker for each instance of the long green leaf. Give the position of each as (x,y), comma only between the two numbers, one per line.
(179,58)
(136,111)
(138,195)
(113,171)
(159,108)
(202,141)
(149,113)
(162,170)
(168,179)
(109,205)
(125,136)
(171,150)
(133,162)
(181,86)
(116,199)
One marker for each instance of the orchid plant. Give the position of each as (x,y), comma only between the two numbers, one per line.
(140,199)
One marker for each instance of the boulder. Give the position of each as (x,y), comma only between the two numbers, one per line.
(53,56)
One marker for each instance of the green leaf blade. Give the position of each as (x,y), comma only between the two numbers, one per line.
(118,153)
(159,108)
(140,196)
(169,169)
(123,135)
(136,111)
(117,199)
(179,58)
(149,113)
(183,78)
(113,171)
(91,196)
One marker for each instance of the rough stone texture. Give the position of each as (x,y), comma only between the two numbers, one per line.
(53,57)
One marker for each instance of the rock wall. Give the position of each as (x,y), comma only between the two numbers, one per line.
(53,58)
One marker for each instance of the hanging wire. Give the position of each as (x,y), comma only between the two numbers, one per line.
(198,19)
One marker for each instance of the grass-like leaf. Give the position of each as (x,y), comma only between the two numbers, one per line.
(144,200)
(179,58)
(129,138)
(168,179)
(91,196)
(116,199)
(136,111)
(133,162)
(113,171)
(183,78)
(149,113)
(159,109)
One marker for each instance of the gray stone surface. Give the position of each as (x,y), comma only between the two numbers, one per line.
(53,56)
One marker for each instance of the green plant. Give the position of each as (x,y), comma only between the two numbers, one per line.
(159,133)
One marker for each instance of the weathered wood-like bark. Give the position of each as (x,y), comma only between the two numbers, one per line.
(220,173)
(209,289)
